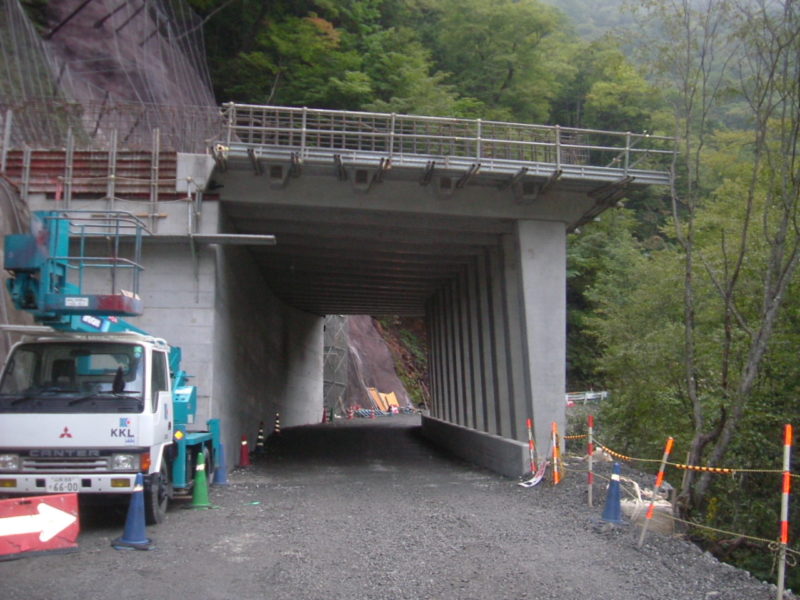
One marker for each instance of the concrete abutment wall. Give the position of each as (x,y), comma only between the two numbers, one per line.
(267,355)
(497,339)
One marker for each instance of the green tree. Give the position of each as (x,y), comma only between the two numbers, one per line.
(400,68)
(597,250)
(733,231)
(607,91)
(508,55)
(324,54)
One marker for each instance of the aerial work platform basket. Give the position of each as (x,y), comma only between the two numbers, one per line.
(76,263)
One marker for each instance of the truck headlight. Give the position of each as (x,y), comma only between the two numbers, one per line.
(9,462)
(124,462)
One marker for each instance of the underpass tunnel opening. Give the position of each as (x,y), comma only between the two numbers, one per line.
(374,366)
(480,289)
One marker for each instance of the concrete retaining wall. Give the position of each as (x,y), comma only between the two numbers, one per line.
(267,355)
(498,454)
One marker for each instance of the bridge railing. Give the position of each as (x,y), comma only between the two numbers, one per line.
(392,135)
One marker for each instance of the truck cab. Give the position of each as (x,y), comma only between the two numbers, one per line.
(85,413)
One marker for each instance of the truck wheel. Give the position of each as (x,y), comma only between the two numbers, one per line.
(157,497)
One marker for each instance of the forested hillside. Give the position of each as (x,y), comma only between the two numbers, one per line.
(521,61)
(683,303)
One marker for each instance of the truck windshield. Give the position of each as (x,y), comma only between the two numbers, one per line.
(68,376)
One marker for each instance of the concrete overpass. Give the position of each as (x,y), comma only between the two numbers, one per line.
(462,221)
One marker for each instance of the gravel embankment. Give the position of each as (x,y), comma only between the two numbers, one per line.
(366,509)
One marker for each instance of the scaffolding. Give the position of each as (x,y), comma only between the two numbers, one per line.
(335,364)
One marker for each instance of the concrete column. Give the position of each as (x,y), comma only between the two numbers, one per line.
(476,373)
(519,383)
(441,350)
(465,354)
(488,366)
(454,357)
(500,350)
(433,318)
(542,269)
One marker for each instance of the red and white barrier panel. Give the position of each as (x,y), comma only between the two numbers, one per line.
(39,524)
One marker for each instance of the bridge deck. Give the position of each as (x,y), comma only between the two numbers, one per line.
(313,136)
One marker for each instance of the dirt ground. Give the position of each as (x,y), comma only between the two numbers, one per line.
(366,509)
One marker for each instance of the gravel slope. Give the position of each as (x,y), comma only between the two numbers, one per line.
(366,509)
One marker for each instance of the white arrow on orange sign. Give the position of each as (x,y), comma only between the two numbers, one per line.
(48,523)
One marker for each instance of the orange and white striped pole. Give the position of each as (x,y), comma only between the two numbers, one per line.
(590,449)
(659,482)
(532,447)
(556,455)
(788,435)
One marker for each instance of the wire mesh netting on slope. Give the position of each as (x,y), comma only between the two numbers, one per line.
(99,66)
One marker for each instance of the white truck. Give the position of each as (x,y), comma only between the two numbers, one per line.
(88,401)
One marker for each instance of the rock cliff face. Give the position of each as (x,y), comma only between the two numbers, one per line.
(130,52)
(370,365)
(93,68)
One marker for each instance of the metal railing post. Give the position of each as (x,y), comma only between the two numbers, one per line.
(155,158)
(6,140)
(26,173)
(558,147)
(69,160)
(231,121)
(392,125)
(304,126)
(478,140)
(627,150)
(111,184)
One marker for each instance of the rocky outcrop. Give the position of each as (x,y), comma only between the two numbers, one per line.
(370,365)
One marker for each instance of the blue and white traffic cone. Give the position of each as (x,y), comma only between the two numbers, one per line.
(134,537)
(612,513)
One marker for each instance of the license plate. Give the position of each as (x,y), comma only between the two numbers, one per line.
(62,485)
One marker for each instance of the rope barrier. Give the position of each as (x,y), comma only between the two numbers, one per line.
(623,456)
(703,469)
(575,437)
(772,545)
(719,470)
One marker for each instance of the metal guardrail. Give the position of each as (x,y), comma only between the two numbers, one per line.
(585,397)
(414,141)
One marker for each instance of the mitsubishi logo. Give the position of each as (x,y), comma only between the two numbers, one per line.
(65,433)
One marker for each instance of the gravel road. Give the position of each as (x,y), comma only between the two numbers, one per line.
(366,509)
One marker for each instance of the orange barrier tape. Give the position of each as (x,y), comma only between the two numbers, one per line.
(612,453)
(705,469)
(720,470)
